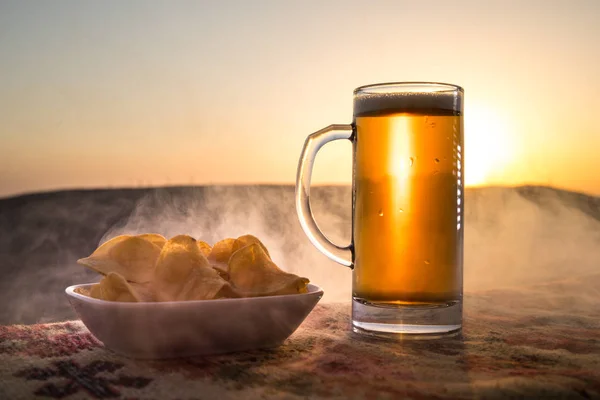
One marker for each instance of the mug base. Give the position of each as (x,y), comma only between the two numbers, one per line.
(423,320)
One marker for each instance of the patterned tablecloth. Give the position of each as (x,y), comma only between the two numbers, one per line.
(538,341)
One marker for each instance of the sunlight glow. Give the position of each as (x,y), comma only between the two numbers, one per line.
(488,146)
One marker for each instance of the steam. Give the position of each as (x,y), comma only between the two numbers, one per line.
(213,213)
(514,237)
(529,235)
(42,235)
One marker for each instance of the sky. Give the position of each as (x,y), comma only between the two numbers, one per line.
(147,93)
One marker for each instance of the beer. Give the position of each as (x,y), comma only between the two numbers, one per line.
(408,194)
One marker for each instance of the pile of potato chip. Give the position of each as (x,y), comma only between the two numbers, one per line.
(149,267)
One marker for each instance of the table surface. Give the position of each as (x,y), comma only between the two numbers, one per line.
(535,341)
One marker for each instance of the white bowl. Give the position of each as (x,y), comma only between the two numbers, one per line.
(192,328)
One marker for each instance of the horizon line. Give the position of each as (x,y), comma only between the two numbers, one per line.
(182,186)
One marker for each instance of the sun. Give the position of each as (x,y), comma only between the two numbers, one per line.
(488,147)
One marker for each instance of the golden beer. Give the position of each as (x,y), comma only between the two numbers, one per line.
(407,203)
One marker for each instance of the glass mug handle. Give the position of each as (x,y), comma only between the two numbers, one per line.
(340,254)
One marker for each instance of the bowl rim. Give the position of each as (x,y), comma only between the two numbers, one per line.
(313,290)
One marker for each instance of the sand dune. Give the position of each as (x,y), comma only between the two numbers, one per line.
(514,237)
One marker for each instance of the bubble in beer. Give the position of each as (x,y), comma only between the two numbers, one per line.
(458,227)
(426,262)
(411,161)
(400,210)
(381,213)
(437,160)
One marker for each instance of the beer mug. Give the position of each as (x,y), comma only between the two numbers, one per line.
(406,250)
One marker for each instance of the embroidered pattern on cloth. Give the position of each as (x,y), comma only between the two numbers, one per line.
(77,377)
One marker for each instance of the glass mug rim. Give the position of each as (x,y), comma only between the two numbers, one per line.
(407,87)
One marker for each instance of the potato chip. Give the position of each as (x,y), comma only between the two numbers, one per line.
(144,291)
(204,248)
(105,248)
(178,257)
(130,256)
(246,240)
(114,287)
(219,256)
(252,274)
(183,272)
(82,290)
(155,238)
(221,251)
(206,286)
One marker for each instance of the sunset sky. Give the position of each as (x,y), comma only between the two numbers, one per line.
(140,93)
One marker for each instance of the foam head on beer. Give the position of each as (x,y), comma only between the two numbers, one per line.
(372,102)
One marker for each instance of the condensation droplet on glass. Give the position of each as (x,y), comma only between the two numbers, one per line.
(426,262)
(411,161)
(381,213)
(437,160)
